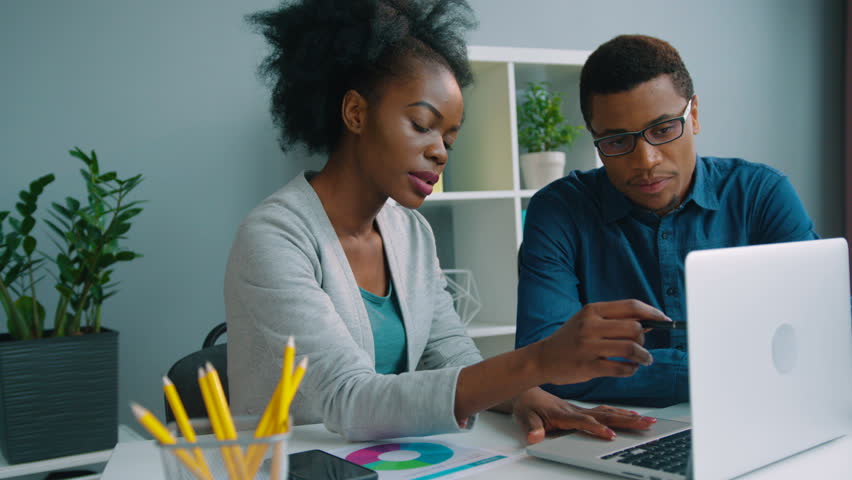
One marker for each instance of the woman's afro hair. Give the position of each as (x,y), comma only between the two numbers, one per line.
(320,49)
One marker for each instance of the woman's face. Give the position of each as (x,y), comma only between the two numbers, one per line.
(408,132)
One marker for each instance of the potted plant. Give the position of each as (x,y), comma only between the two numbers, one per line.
(541,130)
(59,386)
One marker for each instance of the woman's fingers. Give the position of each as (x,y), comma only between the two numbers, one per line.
(531,424)
(630,308)
(626,349)
(614,368)
(617,418)
(579,421)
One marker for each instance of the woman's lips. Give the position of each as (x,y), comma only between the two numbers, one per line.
(422,187)
(655,186)
(422,181)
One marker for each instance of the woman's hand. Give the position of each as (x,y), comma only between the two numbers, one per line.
(538,412)
(581,349)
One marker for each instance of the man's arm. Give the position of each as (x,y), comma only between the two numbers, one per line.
(782,217)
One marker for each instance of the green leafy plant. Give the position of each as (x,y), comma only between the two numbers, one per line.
(541,125)
(88,239)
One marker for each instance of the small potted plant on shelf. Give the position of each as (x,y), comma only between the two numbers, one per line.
(541,130)
(59,386)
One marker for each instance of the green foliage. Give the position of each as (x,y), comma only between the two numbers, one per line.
(88,239)
(19,269)
(541,125)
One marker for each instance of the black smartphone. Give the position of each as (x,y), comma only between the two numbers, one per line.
(317,464)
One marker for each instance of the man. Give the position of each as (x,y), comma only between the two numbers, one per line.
(623,230)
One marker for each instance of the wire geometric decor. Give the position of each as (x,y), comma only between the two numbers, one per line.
(462,288)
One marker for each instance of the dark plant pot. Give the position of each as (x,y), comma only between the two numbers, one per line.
(58,396)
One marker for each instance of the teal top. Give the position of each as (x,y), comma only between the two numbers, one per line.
(388,331)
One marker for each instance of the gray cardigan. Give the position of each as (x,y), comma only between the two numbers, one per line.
(287,274)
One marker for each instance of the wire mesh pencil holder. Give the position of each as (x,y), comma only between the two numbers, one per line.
(246,458)
(462,288)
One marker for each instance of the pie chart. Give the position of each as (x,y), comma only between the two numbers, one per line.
(427,454)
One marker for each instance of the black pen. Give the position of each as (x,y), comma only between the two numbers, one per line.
(663,324)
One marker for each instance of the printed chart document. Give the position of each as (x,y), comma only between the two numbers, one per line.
(420,459)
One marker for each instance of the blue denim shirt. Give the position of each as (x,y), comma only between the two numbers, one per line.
(586,242)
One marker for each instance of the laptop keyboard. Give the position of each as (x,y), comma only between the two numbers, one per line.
(668,454)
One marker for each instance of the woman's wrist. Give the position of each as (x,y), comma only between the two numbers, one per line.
(536,362)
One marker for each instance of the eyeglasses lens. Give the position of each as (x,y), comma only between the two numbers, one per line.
(655,135)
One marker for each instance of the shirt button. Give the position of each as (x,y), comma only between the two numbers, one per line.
(680,347)
(665,235)
(671,291)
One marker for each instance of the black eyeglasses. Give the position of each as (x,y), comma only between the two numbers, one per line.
(656,134)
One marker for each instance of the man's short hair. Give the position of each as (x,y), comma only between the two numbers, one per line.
(626,61)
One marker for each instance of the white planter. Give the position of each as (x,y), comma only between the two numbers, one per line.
(541,168)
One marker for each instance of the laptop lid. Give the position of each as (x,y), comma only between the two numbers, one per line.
(770,352)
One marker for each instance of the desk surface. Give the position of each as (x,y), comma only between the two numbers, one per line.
(125,434)
(141,461)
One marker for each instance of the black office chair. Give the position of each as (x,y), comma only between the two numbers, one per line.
(518,260)
(184,373)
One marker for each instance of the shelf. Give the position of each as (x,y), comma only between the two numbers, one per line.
(483,195)
(527,55)
(481,329)
(477,219)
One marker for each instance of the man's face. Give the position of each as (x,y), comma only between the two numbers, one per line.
(655,177)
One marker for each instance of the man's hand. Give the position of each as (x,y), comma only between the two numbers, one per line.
(538,412)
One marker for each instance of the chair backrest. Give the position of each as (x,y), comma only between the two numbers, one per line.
(184,374)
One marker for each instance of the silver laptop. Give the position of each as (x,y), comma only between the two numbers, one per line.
(770,362)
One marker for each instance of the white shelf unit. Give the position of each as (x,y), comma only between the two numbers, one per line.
(477,219)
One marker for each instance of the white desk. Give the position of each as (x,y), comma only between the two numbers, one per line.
(125,434)
(141,460)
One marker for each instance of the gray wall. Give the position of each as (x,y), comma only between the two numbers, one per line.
(168,89)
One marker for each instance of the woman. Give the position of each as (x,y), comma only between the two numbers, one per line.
(376,86)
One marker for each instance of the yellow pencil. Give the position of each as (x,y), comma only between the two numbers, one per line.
(270,414)
(286,374)
(213,415)
(225,419)
(287,400)
(182,420)
(162,435)
(269,425)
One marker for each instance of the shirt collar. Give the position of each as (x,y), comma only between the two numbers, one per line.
(703,192)
(616,205)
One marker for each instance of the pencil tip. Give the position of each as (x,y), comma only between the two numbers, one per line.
(167,381)
(291,342)
(138,410)
(201,372)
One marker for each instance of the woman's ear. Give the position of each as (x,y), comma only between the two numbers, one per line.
(354,111)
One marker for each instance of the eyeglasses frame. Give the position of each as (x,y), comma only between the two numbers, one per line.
(681,118)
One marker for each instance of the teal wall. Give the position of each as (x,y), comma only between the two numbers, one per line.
(168,89)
